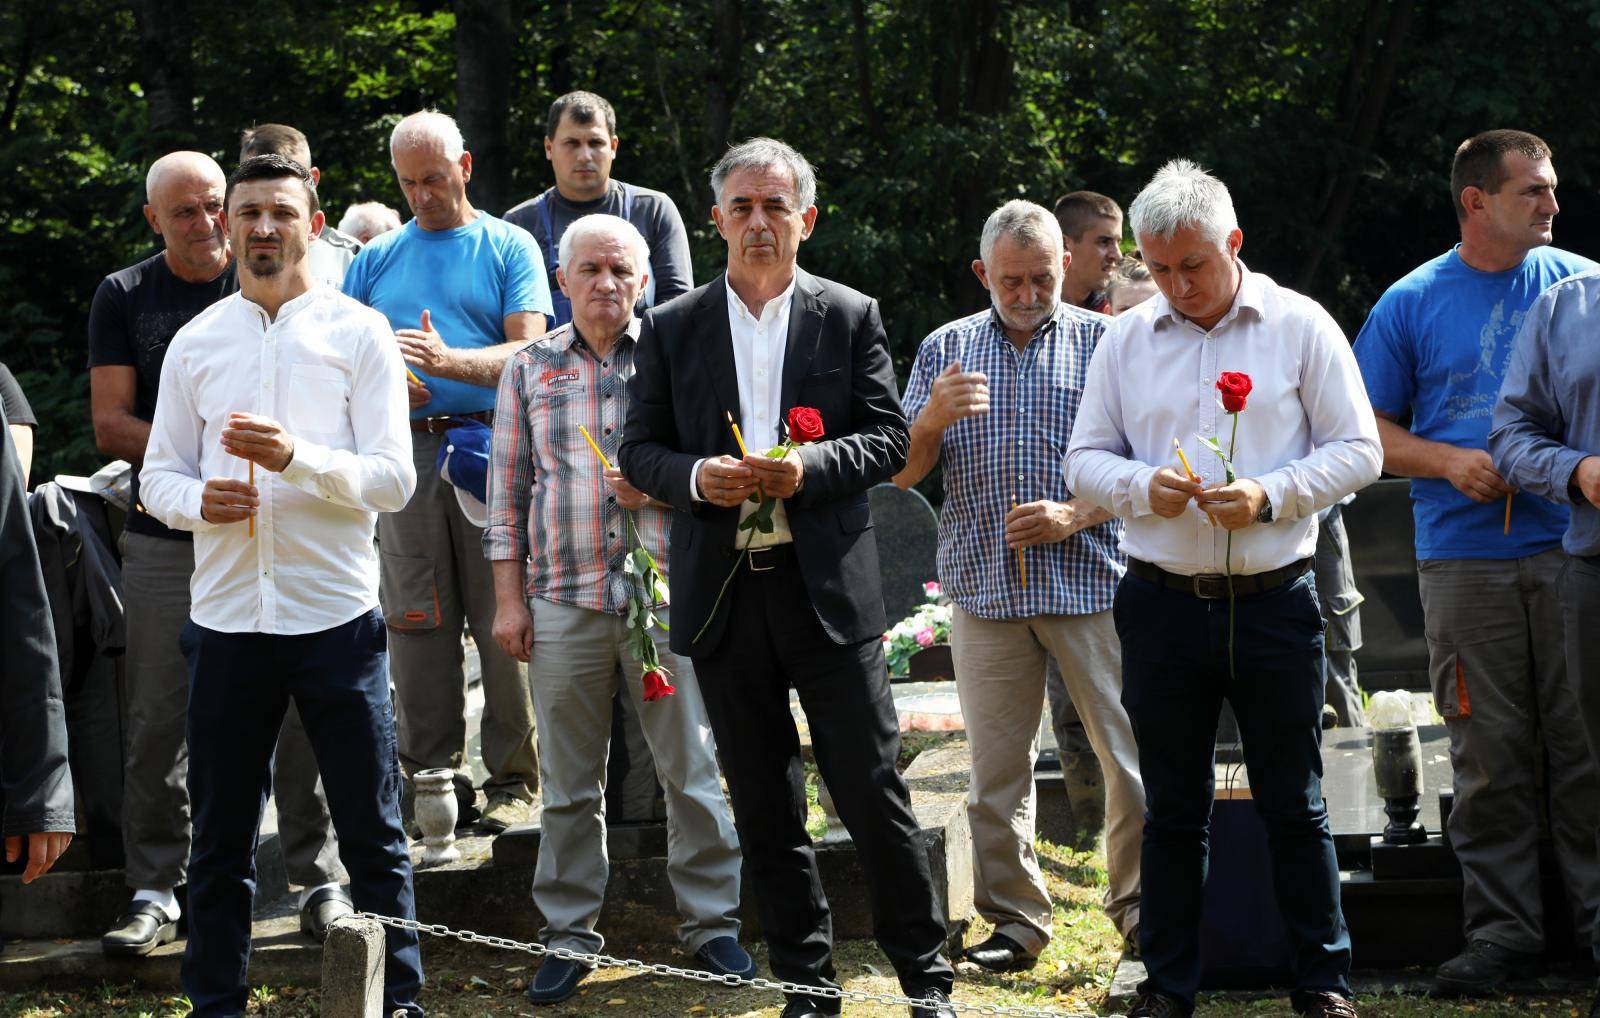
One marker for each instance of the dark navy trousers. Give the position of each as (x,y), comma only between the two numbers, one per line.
(240,684)
(1174,679)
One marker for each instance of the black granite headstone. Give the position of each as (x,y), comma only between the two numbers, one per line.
(908,544)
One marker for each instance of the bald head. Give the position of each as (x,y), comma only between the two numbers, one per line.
(182,168)
(184,193)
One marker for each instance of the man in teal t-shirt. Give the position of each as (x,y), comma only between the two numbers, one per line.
(463,292)
(1436,348)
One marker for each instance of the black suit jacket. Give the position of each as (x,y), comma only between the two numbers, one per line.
(837,360)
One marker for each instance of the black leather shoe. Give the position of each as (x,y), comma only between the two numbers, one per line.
(937,1005)
(1483,967)
(1322,1005)
(725,957)
(140,929)
(1158,1005)
(556,980)
(1001,954)
(805,1007)
(321,909)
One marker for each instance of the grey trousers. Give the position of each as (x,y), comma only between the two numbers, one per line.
(999,667)
(1341,610)
(155,803)
(434,578)
(1496,644)
(580,659)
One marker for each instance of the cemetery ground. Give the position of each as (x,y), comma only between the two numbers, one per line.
(473,981)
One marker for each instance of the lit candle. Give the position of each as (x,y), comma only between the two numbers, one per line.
(736,436)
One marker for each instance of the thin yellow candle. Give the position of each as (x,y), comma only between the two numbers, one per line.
(251,522)
(1185,461)
(1508,513)
(736,436)
(588,438)
(1022,563)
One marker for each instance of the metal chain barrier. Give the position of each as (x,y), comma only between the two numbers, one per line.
(701,976)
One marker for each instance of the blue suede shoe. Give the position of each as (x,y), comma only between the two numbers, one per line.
(725,957)
(556,980)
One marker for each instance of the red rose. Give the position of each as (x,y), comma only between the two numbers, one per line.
(1235,387)
(656,685)
(805,424)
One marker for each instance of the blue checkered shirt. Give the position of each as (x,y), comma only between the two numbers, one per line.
(1014,453)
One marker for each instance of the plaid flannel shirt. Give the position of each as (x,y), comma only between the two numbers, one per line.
(549,503)
(1015,453)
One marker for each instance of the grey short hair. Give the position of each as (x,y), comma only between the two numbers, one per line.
(759,153)
(371,218)
(1023,221)
(428,127)
(1182,194)
(600,225)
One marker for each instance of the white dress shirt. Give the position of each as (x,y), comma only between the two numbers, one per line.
(327,370)
(1307,433)
(758,349)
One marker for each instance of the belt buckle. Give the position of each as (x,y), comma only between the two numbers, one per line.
(765,553)
(1209,586)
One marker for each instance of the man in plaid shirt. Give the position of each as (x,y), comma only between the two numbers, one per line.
(557,537)
(1031,569)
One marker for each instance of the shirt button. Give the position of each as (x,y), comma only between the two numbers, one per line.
(611,533)
(1021,477)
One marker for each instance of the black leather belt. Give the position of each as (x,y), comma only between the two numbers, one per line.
(439,425)
(763,560)
(1214,585)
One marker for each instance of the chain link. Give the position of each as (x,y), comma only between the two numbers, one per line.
(701,976)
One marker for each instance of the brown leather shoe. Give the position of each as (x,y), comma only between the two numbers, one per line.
(1323,1005)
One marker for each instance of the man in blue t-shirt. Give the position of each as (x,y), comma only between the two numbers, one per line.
(1436,348)
(463,292)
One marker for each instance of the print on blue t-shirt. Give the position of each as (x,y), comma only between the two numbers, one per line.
(468,278)
(1437,345)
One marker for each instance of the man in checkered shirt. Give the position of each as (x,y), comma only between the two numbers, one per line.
(557,537)
(1031,569)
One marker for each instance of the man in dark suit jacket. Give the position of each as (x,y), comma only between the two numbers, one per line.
(800,603)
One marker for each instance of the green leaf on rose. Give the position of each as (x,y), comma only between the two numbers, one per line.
(1227,464)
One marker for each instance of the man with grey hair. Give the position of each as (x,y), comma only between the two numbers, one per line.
(367,219)
(564,595)
(1031,568)
(1218,602)
(580,140)
(769,343)
(463,292)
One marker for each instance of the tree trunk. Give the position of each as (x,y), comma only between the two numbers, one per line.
(723,85)
(863,55)
(167,70)
(1363,131)
(484,37)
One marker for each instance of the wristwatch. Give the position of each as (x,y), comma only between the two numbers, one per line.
(1265,515)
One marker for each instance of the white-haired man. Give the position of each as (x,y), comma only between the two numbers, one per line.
(1031,568)
(463,291)
(1208,612)
(367,219)
(559,548)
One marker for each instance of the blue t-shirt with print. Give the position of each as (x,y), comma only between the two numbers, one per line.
(1437,344)
(469,278)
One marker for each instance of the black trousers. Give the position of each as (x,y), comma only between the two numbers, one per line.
(773,641)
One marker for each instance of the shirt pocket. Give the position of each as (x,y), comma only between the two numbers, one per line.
(1056,416)
(318,396)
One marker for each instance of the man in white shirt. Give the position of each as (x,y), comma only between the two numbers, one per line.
(280,434)
(1218,601)
(332,252)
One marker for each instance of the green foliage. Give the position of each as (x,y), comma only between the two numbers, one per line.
(919,123)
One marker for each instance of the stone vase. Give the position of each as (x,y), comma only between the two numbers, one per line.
(436,815)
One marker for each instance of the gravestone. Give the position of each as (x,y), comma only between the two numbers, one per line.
(908,545)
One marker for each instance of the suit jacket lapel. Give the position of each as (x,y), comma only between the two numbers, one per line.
(806,310)
(711,326)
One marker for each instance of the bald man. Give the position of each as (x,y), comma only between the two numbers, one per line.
(134,316)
